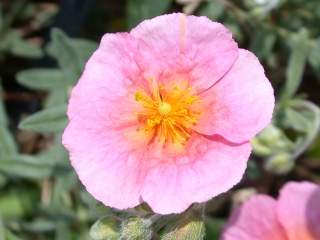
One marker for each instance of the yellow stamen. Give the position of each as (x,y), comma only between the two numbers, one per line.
(168,112)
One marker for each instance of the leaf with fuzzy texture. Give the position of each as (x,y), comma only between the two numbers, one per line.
(7,143)
(29,167)
(300,48)
(42,79)
(49,120)
(23,48)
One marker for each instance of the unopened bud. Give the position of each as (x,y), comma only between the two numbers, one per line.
(105,228)
(273,138)
(190,227)
(260,149)
(281,163)
(136,228)
(270,134)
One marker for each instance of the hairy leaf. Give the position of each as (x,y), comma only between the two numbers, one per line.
(42,79)
(49,120)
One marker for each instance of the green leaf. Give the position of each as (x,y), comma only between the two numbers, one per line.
(63,185)
(39,225)
(300,47)
(49,120)
(212,9)
(7,144)
(314,56)
(42,79)
(56,153)
(262,43)
(138,10)
(136,228)
(189,227)
(105,228)
(85,48)
(56,97)
(63,231)
(29,167)
(23,48)
(313,111)
(296,120)
(71,54)
(65,52)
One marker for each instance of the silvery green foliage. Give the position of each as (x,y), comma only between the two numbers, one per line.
(70,55)
(12,41)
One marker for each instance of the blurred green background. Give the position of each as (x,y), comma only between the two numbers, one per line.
(44,45)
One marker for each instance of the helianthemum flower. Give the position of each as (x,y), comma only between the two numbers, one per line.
(164,114)
(294,216)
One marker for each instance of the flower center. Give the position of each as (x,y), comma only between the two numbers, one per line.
(164,108)
(168,113)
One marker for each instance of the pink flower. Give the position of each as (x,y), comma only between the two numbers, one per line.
(294,216)
(164,114)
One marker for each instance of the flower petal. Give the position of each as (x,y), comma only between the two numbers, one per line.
(100,111)
(239,105)
(108,167)
(104,94)
(299,210)
(208,169)
(180,43)
(255,219)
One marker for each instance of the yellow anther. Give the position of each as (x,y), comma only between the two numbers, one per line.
(140,96)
